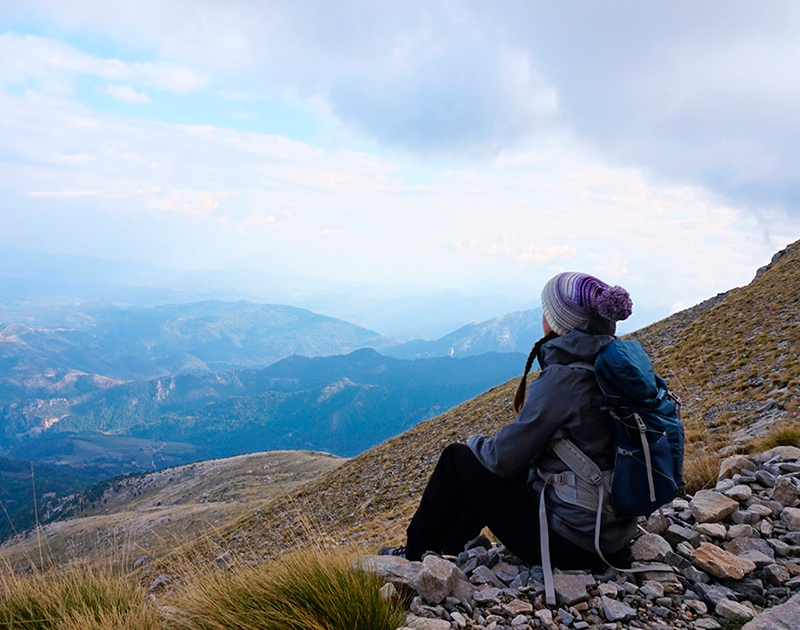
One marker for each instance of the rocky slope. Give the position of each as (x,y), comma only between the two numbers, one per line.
(726,555)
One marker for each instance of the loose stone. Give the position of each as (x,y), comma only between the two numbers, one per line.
(572,588)
(649,547)
(765,478)
(740,531)
(734,465)
(436,579)
(782,617)
(615,610)
(790,517)
(708,506)
(712,530)
(721,563)
(739,493)
(677,534)
(517,606)
(728,609)
(784,491)
(652,589)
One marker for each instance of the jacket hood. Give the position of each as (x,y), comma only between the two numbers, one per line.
(580,344)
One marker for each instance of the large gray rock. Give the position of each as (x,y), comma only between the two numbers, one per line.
(487,595)
(435,579)
(650,547)
(615,610)
(731,466)
(790,517)
(390,568)
(739,493)
(739,545)
(728,609)
(784,491)
(421,623)
(571,588)
(786,453)
(712,530)
(776,574)
(758,558)
(783,617)
(708,506)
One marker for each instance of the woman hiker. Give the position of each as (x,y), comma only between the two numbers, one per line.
(486,482)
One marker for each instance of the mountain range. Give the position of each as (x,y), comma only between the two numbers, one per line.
(67,351)
(31,281)
(341,404)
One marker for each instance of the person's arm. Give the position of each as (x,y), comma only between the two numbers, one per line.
(548,406)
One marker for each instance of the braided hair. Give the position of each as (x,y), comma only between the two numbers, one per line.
(519,397)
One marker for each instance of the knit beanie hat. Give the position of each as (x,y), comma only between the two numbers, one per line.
(571,299)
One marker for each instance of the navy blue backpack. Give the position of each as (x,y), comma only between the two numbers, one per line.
(648,469)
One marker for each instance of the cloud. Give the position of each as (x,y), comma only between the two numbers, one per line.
(531,254)
(64,194)
(25,57)
(699,93)
(462,143)
(262,221)
(191,202)
(127,94)
(198,194)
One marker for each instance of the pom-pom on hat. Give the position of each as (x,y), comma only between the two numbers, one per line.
(571,299)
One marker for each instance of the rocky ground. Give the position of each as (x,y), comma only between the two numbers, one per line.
(733,553)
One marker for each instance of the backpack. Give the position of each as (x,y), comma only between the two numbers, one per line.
(648,465)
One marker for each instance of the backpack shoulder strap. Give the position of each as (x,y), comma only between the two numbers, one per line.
(577,461)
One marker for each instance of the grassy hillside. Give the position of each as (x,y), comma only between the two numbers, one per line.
(148,514)
(726,358)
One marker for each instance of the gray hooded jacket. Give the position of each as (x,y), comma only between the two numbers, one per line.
(558,404)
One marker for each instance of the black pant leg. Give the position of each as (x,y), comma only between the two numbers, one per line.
(463,496)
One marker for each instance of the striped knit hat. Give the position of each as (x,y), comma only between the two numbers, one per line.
(570,299)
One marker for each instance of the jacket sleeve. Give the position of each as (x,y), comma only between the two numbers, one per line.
(549,404)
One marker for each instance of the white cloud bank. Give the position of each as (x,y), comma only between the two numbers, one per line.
(652,144)
(209,197)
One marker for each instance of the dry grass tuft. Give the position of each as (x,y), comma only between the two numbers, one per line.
(700,471)
(308,590)
(783,435)
(80,598)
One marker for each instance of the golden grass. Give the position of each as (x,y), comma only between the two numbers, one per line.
(700,471)
(307,590)
(80,598)
(782,435)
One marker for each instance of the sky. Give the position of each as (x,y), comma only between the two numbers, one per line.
(421,146)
